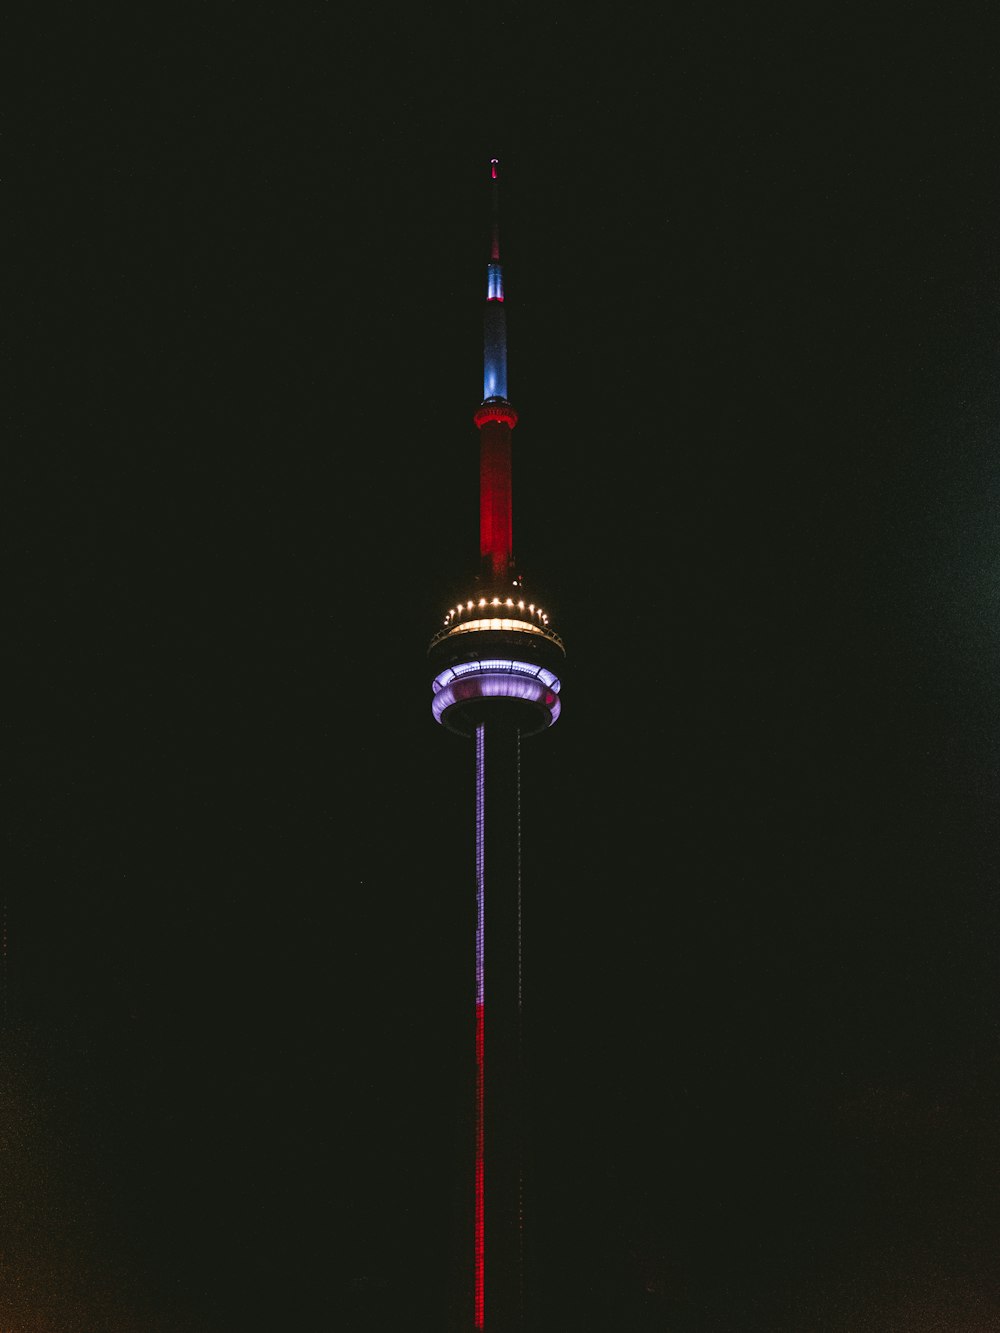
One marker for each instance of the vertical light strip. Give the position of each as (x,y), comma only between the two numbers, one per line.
(479,1247)
(517,807)
(520,1041)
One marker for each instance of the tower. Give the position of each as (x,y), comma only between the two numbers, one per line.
(495,666)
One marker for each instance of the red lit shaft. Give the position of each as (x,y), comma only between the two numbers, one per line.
(480,1214)
(499,1092)
(496,524)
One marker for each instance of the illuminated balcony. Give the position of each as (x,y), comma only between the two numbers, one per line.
(498,614)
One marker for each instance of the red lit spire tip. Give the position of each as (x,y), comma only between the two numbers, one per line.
(494,167)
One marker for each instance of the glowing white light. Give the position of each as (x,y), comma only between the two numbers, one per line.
(497,623)
(497,664)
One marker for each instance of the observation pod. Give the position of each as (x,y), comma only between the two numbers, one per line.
(496,657)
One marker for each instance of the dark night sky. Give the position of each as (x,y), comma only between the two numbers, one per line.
(753,294)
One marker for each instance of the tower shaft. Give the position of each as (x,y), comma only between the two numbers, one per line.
(499,1060)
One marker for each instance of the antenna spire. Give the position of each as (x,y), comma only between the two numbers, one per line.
(495,329)
(495,419)
(495,231)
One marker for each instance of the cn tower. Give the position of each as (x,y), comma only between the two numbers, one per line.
(495,663)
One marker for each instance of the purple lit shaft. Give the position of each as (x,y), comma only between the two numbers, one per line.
(480,857)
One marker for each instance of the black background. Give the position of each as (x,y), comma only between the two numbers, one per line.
(752,285)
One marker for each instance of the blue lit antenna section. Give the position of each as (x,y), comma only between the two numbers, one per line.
(494,321)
